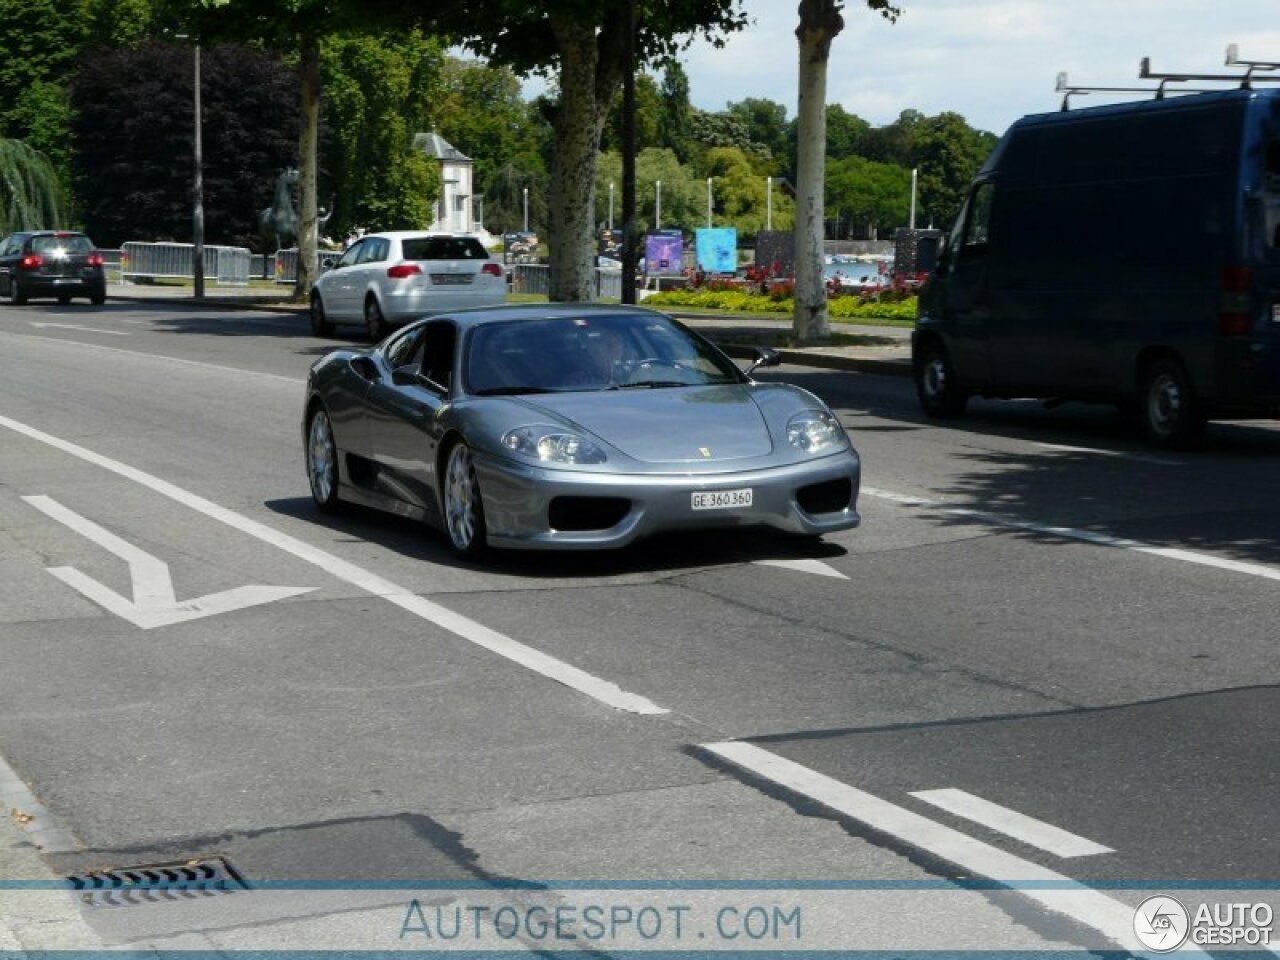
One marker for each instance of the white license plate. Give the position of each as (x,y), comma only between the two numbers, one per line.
(722,499)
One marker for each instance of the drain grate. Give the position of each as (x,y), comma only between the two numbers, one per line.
(157,883)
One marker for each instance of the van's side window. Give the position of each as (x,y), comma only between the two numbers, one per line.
(978,227)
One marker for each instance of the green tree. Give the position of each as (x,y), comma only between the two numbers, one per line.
(894,142)
(30,193)
(948,152)
(721,129)
(584,42)
(649,117)
(377,88)
(872,194)
(740,193)
(846,132)
(766,125)
(676,126)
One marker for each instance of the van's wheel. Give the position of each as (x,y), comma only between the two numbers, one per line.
(1171,415)
(320,325)
(939,391)
(374,322)
(463,505)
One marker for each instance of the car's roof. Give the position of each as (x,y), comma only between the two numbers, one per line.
(479,316)
(417,234)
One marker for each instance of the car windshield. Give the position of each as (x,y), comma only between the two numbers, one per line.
(443,248)
(61,244)
(590,352)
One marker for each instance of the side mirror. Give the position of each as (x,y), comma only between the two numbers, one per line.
(765,357)
(365,368)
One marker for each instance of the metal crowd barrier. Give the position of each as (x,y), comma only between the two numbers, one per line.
(287,263)
(536,278)
(154,261)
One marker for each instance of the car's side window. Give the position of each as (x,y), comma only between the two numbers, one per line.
(375,250)
(978,226)
(350,255)
(401,350)
(438,351)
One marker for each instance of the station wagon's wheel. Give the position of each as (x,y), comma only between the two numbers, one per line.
(463,506)
(17,296)
(98,299)
(940,392)
(322,461)
(63,299)
(374,321)
(1171,415)
(320,325)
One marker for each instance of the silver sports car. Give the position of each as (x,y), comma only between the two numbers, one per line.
(571,426)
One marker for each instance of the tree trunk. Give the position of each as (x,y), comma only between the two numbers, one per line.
(579,122)
(308,230)
(820,21)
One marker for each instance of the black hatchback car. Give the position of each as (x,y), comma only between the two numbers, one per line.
(51,263)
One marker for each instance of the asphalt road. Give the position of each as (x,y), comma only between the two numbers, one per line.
(1047,660)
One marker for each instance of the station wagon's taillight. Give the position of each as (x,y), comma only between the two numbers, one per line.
(402,270)
(1233,303)
(95,260)
(492,269)
(31,261)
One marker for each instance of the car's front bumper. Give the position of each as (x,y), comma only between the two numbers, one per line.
(518,501)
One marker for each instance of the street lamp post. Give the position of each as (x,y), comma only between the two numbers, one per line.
(611,206)
(911,222)
(768,203)
(657,205)
(197,189)
(526,209)
(708,203)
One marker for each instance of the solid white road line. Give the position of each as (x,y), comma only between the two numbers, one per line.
(1086,536)
(1053,890)
(1099,452)
(592,686)
(1029,830)
(76,326)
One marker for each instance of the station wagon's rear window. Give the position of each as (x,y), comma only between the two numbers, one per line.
(70,243)
(444,248)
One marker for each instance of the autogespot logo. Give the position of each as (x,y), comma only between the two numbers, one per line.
(1161,924)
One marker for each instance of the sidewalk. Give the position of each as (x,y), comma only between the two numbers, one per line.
(854,347)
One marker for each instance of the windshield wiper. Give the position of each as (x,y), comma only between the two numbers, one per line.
(651,384)
(510,391)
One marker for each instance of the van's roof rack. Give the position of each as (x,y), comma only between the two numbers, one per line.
(1246,79)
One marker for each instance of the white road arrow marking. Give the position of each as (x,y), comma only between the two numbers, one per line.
(804,566)
(76,326)
(154,603)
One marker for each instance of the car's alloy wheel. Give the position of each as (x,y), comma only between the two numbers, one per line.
(374,321)
(1170,414)
(936,385)
(16,295)
(322,461)
(463,507)
(320,325)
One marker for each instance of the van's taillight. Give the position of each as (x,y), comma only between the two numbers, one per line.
(31,261)
(1233,305)
(402,270)
(95,259)
(492,269)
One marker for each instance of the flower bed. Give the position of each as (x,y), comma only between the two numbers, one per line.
(886,305)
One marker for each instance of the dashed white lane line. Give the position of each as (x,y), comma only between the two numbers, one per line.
(570,676)
(816,567)
(1011,823)
(1086,536)
(1053,890)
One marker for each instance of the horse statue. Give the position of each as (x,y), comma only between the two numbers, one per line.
(278,223)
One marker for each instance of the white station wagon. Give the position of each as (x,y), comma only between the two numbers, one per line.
(385,280)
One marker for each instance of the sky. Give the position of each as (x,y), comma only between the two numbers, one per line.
(991,61)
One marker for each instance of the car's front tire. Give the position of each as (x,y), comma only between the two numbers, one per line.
(322,460)
(939,391)
(374,322)
(320,325)
(1171,414)
(463,506)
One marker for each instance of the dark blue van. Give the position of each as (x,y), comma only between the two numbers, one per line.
(1126,254)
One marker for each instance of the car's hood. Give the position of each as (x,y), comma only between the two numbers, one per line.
(667,424)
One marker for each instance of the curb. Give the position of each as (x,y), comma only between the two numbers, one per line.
(41,917)
(883,366)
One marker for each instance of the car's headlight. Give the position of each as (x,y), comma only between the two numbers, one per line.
(815,431)
(548,444)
